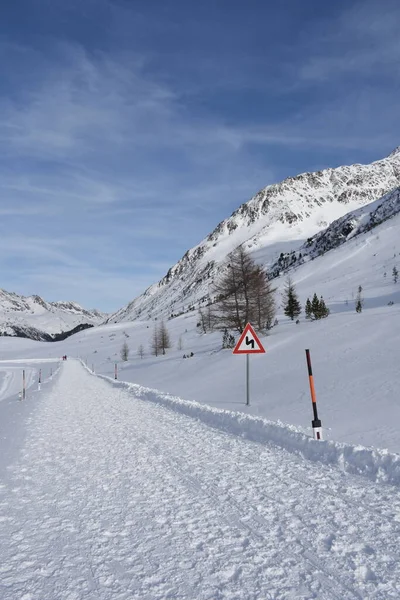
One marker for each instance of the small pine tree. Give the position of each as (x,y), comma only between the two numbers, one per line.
(308,309)
(315,308)
(359,300)
(395,274)
(323,309)
(292,306)
(141,351)
(225,339)
(231,341)
(125,351)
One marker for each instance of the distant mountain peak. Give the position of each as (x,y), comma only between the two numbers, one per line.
(33,317)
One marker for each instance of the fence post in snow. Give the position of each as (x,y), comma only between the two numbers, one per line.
(316,423)
(23,385)
(40,378)
(116,371)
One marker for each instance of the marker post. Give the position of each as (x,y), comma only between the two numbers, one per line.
(116,371)
(23,385)
(40,378)
(316,423)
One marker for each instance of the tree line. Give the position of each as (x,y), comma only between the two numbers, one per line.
(244,294)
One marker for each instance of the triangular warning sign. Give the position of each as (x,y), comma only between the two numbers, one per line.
(249,342)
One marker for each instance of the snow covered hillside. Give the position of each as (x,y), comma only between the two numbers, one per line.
(341,230)
(34,318)
(280,218)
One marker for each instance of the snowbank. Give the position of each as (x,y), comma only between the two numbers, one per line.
(375,464)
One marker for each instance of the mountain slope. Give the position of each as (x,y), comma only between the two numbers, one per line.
(279,218)
(34,318)
(340,231)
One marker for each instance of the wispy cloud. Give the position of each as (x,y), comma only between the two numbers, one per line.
(117,151)
(361,42)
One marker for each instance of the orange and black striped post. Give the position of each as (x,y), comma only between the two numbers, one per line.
(316,423)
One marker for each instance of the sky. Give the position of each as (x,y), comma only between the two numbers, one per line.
(129,129)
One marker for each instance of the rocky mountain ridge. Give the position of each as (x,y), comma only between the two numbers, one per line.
(279,218)
(35,318)
(340,231)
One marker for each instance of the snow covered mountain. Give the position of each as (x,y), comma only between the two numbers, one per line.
(279,219)
(340,231)
(33,317)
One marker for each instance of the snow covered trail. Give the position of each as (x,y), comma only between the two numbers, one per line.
(116,498)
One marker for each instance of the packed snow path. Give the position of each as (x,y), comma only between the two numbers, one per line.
(113,498)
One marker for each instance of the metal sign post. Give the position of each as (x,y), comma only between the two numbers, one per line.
(248,344)
(247,380)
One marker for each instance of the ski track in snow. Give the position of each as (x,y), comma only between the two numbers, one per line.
(117,498)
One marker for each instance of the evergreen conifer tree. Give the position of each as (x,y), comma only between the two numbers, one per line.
(395,274)
(308,309)
(292,306)
(359,300)
(323,309)
(315,307)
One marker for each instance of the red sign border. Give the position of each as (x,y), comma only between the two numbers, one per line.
(246,330)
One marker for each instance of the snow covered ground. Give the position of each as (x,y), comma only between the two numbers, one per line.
(114,497)
(11,375)
(355,356)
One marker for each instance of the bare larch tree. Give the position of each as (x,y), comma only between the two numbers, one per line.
(243,294)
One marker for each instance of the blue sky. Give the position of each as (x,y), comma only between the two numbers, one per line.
(130,128)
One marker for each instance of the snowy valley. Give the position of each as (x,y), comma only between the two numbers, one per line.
(151,478)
